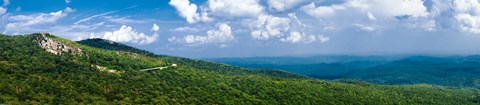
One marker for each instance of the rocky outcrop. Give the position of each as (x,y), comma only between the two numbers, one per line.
(55,47)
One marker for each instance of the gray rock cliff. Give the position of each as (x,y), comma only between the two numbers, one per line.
(56,47)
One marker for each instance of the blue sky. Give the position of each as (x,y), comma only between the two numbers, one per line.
(243,28)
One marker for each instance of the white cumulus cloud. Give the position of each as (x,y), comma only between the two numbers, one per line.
(380,8)
(267,27)
(297,37)
(188,11)
(285,29)
(467,14)
(217,9)
(235,8)
(322,12)
(128,34)
(384,13)
(221,35)
(155,28)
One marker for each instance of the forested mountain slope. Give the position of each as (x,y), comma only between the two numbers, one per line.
(32,74)
(200,64)
(110,45)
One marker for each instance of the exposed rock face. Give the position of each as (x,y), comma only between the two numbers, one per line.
(56,47)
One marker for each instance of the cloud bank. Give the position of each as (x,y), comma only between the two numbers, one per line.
(277,20)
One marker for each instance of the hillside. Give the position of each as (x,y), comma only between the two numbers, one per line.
(58,71)
(200,64)
(111,45)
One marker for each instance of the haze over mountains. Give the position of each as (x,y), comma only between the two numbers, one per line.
(457,71)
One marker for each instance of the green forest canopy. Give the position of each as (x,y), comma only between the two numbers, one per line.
(31,75)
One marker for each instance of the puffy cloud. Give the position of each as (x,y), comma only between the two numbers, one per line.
(188,11)
(68,1)
(6,3)
(217,8)
(294,37)
(283,5)
(25,22)
(155,28)
(185,9)
(414,8)
(285,29)
(221,35)
(368,15)
(322,11)
(297,37)
(128,34)
(364,15)
(380,8)
(467,14)
(267,27)
(235,8)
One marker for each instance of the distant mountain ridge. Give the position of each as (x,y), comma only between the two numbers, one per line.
(305,60)
(461,71)
(458,71)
